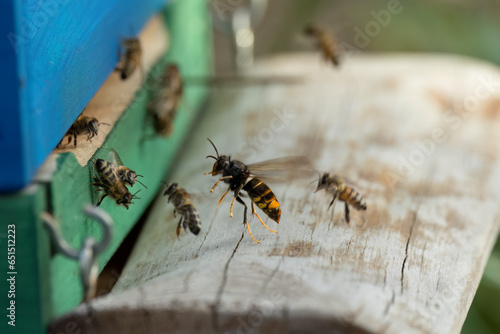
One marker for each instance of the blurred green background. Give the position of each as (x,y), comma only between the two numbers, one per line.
(470,28)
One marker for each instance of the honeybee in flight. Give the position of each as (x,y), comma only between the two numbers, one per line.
(128,176)
(110,182)
(336,186)
(326,43)
(131,59)
(164,105)
(83,125)
(240,177)
(182,204)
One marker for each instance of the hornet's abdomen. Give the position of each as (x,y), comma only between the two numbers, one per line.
(265,199)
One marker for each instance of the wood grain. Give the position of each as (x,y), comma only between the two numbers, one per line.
(418,137)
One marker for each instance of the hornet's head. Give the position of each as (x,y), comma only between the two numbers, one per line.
(221,161)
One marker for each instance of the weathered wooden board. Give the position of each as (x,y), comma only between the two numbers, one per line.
(419,137)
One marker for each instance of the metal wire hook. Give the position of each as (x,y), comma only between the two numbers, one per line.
(89,251)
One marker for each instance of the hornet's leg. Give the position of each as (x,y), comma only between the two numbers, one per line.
(222,198)
(256,214)
(347,213)
(74,137)
(216,183)
(236,194)
(245,222)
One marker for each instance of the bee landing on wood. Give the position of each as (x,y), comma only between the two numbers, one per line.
(110,182)
(83,125)
(131,58)
(336,186)
(242,177)
(326,43)
(164,105)
(182,204)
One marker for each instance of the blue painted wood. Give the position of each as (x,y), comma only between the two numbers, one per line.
(56,56)
(11,157)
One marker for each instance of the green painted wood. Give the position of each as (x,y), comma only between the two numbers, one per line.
(31,295)
(140,149)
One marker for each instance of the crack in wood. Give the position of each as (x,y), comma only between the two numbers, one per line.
(186,281)
(413,223)
(220,291)
(385,275)
(389,304)
(271,276)
(439,279)
(422,258)
(206,234)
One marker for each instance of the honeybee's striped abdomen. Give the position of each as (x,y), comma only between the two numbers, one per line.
(352,197)
(105,171)
(265,199)
(192,218)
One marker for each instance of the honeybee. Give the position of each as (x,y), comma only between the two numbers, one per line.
(83,125)
(182,204)
(241,177)
(336,186)
(128,176)
(164,105)
(326,42)
(110,182)
(131,59)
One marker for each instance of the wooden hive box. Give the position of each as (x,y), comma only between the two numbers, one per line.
(63,61)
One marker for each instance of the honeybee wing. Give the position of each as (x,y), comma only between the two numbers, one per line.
(200,199)
(283,169)
(114,158)
(196,198)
